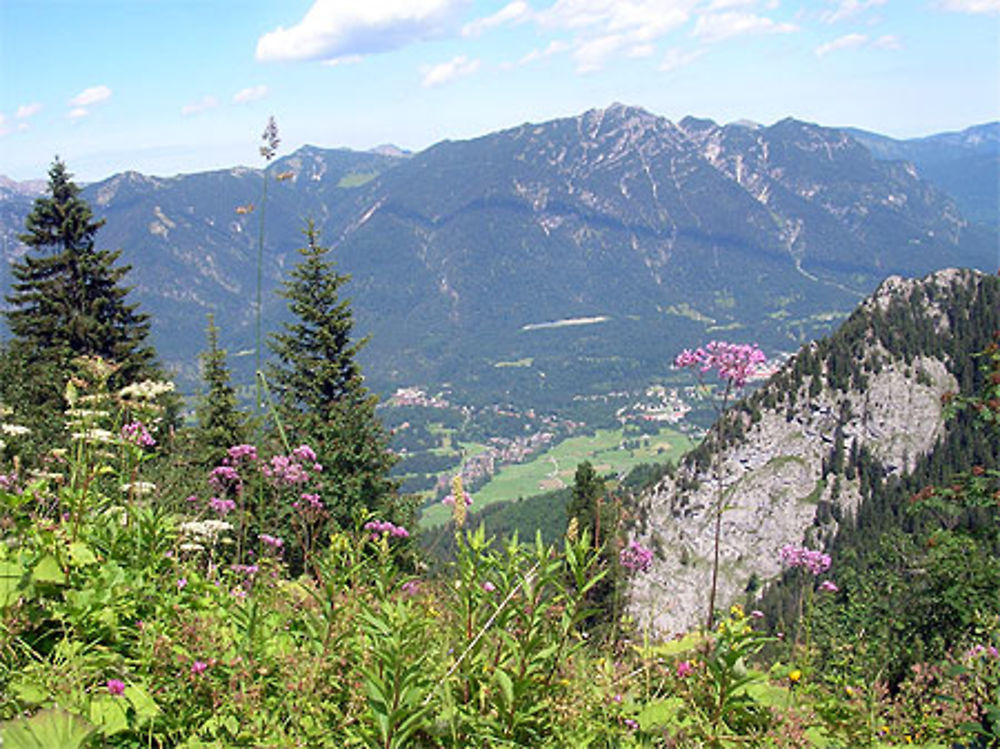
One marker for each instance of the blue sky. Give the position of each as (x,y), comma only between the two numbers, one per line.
(169,86)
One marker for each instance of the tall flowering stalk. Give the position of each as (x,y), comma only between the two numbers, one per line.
(734,364)
(268,151)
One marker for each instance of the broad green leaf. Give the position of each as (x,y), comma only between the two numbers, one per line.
(48,571)
(80,554)
(28,692)
(46,730)
(145,706)
(10,577)
(506,686)
(109,714)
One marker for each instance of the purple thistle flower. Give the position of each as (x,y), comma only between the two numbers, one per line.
(116,687)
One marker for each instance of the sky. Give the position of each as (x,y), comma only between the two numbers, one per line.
(175,86)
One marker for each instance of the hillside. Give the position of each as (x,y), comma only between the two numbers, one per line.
(585,249)
(789,460)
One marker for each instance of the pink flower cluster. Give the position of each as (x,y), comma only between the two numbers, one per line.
(237,453)
(309,502)
(379,528)
(222,506)
(828,586)
(137,434)
(450,499)
(735,362)
(225,478)
(273,541)
(815,562)
(635,557)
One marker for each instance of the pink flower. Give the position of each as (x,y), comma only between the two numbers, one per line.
(222,506)
(815,562)
(489,587)
(631,724)
(733,362)
(182,583)
(236,453)
(635,557)
(384,527)
(273,541)
(828,586)
(450,499)
(684,669)
(198,668)
(116,687)
(137,434)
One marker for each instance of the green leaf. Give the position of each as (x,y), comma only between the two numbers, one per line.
(506,686)
(109,713)
(48,571)
(80,554)
(10,577)
(144,705)
(46,730)
(28,692)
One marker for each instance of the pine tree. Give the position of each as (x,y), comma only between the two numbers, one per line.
(320,390)
(67,298)
(220,423)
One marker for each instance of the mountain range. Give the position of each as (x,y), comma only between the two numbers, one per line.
(553,258)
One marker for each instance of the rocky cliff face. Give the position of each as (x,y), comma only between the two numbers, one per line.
(782,481)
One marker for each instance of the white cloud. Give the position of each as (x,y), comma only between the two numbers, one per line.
(28,110)
(90,96)
(848,9)
(77,112)
(847,41)
(972,6)
(253,93)
(643,19)
(4,128)
(715,27)
(446,72)
(679,58)
(888,41)
(510,13)
(592,54)
(555,47)
(202,105)
(333,29)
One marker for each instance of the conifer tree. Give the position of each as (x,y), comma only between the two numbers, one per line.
(67,299)
(321,393)
(220,423)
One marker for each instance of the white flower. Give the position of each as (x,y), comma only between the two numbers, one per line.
(14,430)
(145,390)
(95,435)
(139,487)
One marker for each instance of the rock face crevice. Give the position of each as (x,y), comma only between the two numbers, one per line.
(774,481)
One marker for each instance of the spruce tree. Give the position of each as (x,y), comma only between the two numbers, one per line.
(220,423)
(67,299)
(320,390)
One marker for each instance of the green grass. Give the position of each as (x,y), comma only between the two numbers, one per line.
(555,468)
(356,179)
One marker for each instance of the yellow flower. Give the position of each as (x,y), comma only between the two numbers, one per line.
(794,676)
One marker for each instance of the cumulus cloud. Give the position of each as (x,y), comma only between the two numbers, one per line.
(28,110)
(972,6)
(847,41)
(888,41)
(679,58)
(716,27)
(90,96)
(856,41)
(555,47)
(253,93)
(202,105)
(641,19)
(77,113)
(446,72)
(510,13)
(848,9)
(592,54)
(333,29)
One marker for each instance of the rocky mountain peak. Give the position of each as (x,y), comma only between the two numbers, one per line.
(776,462)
